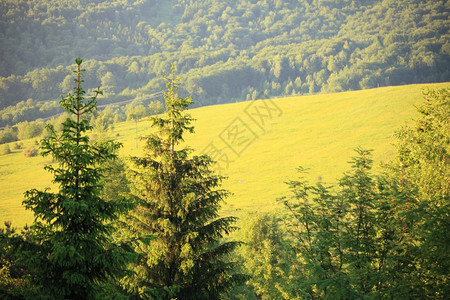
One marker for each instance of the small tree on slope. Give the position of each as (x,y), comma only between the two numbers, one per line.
(178,210)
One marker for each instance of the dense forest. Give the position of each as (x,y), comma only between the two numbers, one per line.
(225,50)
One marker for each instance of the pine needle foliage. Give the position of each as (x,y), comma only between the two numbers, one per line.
(177,219)
(73,252)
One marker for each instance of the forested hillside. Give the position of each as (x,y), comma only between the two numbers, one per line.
(225,50)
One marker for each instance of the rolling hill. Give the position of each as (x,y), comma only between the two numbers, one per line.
(258,144)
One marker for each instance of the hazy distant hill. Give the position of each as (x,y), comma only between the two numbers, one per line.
(225,50)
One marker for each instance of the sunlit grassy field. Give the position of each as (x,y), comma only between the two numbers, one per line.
(258,144)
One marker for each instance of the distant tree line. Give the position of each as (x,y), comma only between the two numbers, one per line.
(101,120)
(227,51)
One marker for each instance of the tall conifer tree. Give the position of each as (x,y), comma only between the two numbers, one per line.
(179,202)
(73,252)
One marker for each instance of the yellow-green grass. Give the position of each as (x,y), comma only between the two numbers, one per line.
(318,132)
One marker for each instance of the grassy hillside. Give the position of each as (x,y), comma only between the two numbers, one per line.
(317,132)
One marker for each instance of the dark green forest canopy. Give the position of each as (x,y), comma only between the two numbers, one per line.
(225,50)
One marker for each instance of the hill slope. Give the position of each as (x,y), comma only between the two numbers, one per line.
(258,144)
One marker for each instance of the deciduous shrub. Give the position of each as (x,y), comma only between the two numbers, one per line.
(5,149)
(30,152)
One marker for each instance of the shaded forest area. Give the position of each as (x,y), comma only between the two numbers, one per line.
(226,50)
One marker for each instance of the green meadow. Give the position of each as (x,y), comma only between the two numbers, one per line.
(258,145)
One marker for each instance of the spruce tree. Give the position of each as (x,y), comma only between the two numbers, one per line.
(182,255)
(73,253)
